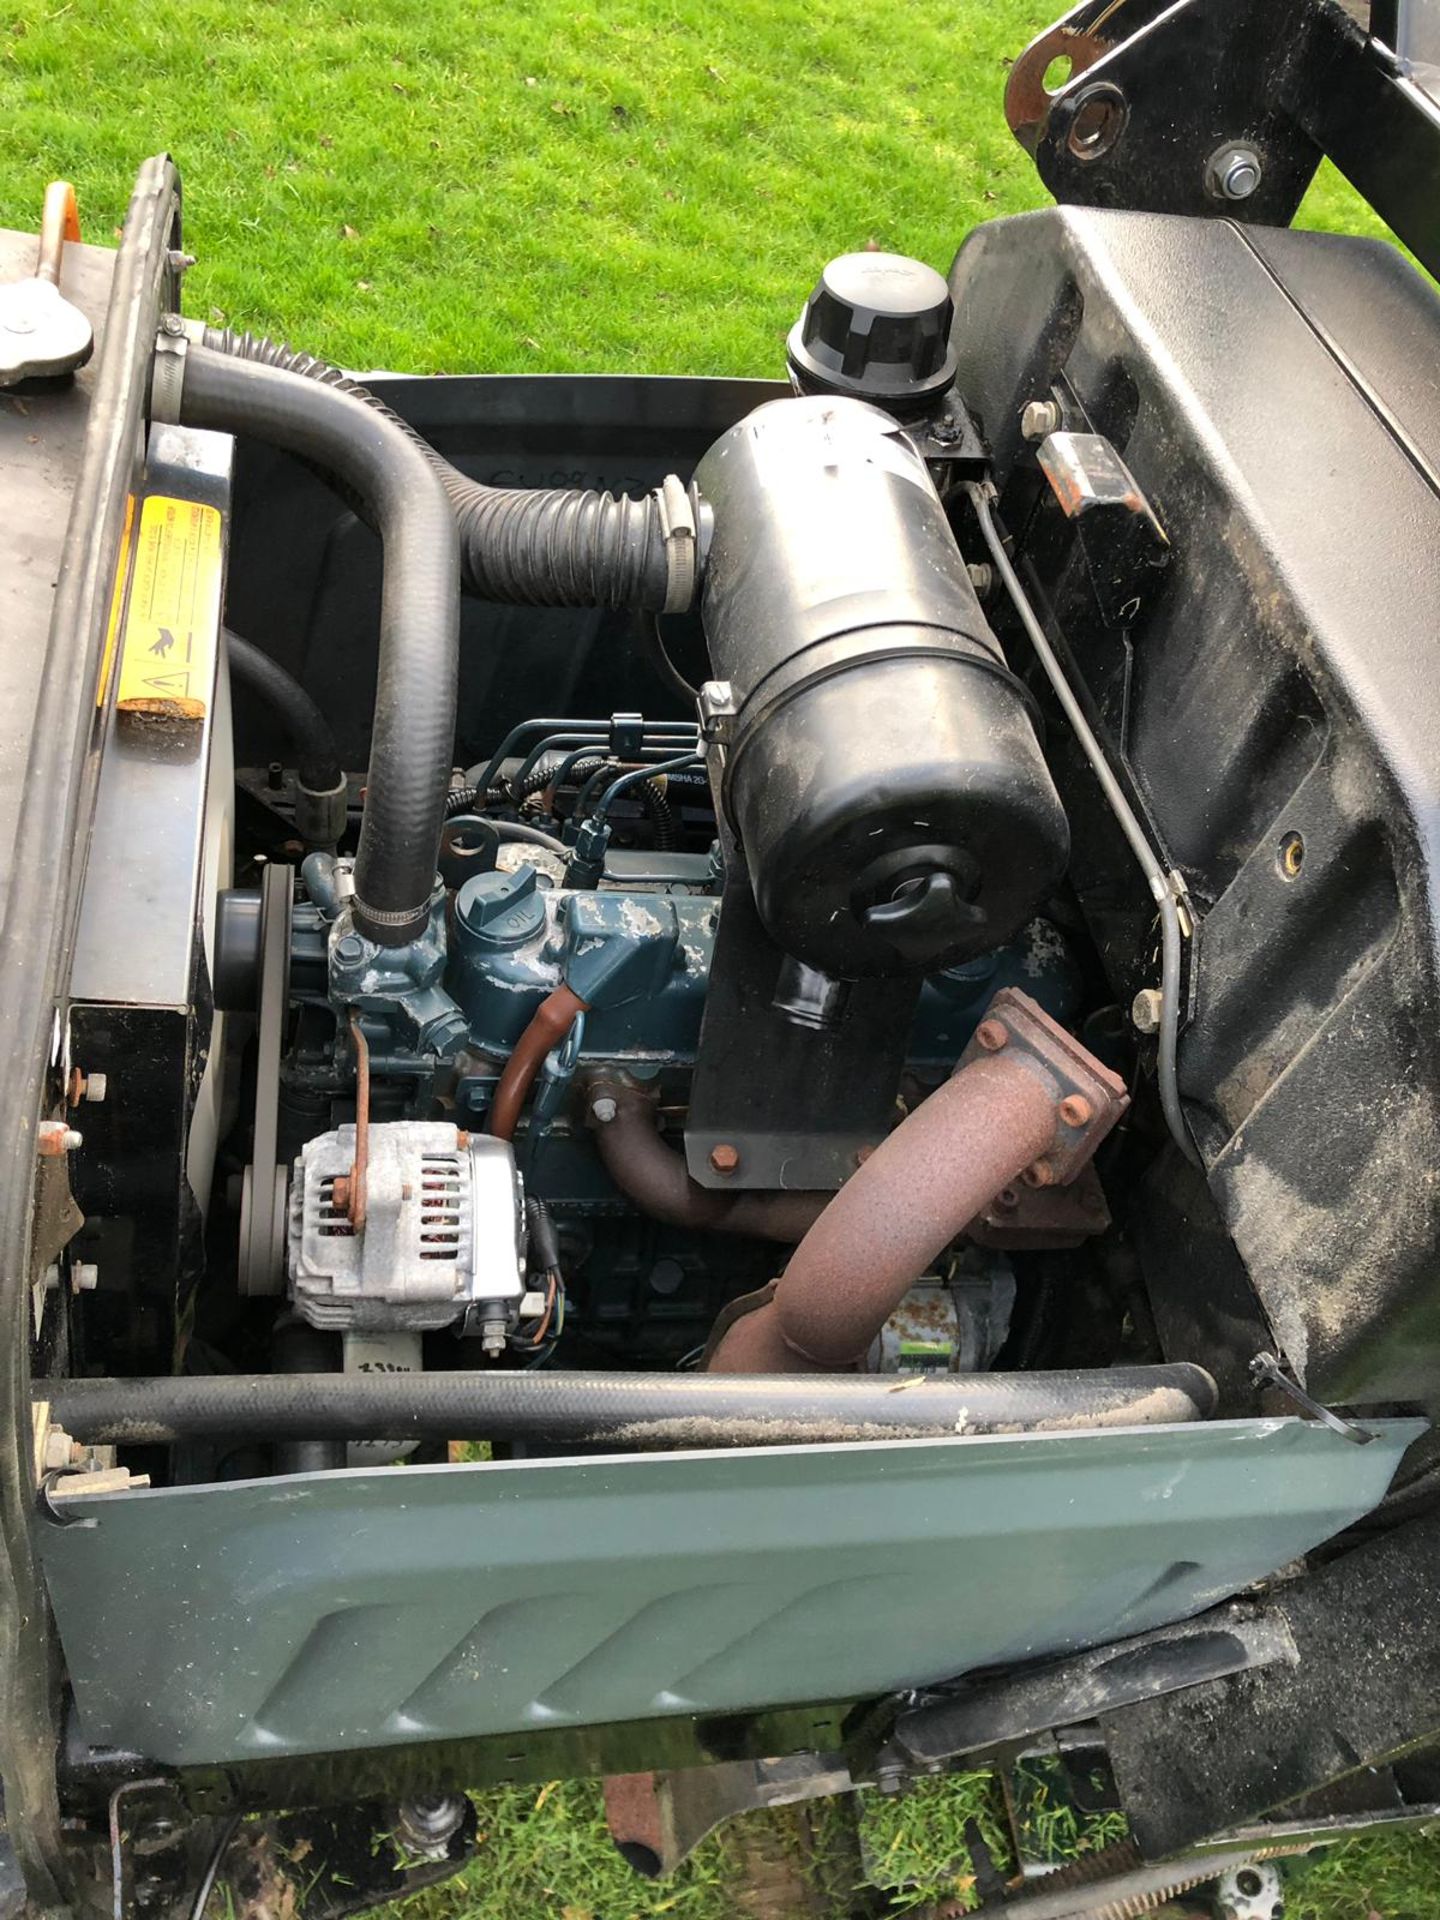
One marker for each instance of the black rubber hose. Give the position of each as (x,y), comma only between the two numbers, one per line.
(627,1409)
(317,758)
(414,731)
(520,546)
(543,1248)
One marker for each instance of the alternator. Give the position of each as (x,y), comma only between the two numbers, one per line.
(441,1238)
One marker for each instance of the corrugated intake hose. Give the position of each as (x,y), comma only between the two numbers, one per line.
(414,730)
(541,546)
(628,1409)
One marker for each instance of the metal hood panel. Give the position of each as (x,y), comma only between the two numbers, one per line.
(326,1612)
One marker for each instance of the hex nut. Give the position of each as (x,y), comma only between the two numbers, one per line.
(1040,418)
(97,1086)
(1233,172)
(1146,1009)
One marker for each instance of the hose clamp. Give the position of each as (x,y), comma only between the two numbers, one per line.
(167,379)
(679,530)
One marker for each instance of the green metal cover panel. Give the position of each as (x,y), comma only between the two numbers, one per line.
(329,1611)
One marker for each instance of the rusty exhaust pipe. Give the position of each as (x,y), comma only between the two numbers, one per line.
(656,1178)
(1026,1102)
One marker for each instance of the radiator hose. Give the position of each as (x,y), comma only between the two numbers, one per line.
(414,729)
(534,546)
(320,792)
(625,1409)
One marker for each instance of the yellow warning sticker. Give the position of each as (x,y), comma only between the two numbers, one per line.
(117,601)
(172,625)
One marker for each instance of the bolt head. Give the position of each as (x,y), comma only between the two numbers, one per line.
(1075,1110)
(1146,1009)
(603,1110)
(991,1036)
(350,948)
(724,1158)
(1040,418)
(55,1139)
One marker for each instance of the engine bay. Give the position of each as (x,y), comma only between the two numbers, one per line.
(792,995)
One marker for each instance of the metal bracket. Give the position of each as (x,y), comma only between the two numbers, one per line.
(1124,545)
(1265,1370)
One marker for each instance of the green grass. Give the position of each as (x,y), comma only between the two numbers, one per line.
(643,184)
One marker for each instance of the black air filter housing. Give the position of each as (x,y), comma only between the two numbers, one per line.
(883,775)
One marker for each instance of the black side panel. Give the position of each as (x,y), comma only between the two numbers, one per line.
(1278,709)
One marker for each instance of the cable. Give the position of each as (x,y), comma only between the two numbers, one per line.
(212,1870)
(661,661)
(635,776)
(1162,888)
(517,830)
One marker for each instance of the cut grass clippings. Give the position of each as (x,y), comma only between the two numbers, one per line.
(643,185)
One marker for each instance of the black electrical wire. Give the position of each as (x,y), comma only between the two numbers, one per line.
(661,661)
(213,1865)
(514,830)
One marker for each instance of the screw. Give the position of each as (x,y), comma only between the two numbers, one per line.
(55,1139)
(1075,1110)
(1233,173)
(84,1277)
(1040,418)
(724,1158)
(991,1036)
(1145,1010)
(603,1110)
(1039,1173)
(173,325)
